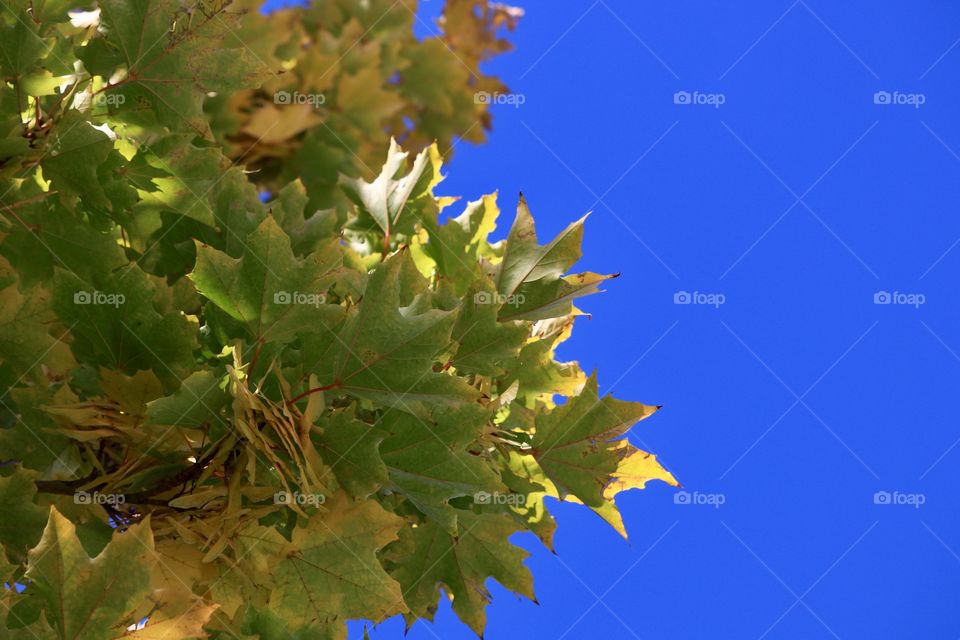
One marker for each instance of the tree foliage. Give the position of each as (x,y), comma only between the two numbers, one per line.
(252,388)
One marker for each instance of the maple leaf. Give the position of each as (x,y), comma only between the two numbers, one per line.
(385,353)
(76,153)
(273,294)
(115,322)
(21,46)
(352,448)
(484,342)
(457,248)
(169,58)
(86,598)
(23,520)
(198,402)
(428,557)
(529,276)
(329,569)
(579,448)
(385,200)
(431,462)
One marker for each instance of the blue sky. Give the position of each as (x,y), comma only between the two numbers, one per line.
(785,186)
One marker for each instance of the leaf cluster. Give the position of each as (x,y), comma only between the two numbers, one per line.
(231,412)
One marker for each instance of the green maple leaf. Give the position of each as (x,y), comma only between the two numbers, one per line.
(34,439)
(271,292)
(12,142)
(431,75)
(351,448)
(457,246)
(529,276)
(429,557)
(537,374)
(21,45)
(329,570)
(171,58)
(484,342)
(186,178)
(524,260)
(116,322)
(195,404)
(74,159)
(385,353)
(84,598)
(183,178)
(433,461)
(579,447)
(22,521)
(306,233)
(194,196)
(58,238)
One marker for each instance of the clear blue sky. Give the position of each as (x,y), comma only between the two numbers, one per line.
(797,399)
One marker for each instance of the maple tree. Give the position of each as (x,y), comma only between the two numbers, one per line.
(252,388)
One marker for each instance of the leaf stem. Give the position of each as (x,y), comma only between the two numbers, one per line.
(256,355)
(335,385)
